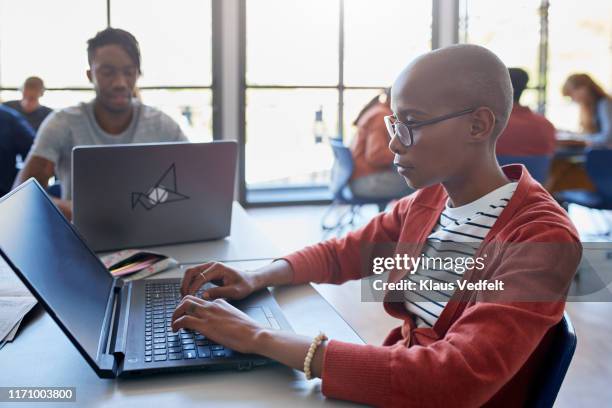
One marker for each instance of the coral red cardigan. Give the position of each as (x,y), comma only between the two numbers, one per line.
(478,353)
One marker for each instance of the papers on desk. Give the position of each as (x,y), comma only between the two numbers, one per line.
(15,302)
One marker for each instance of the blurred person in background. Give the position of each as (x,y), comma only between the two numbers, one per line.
(29,106)
(16,138)
(527,133)
(596,127)
(114,116)
(595,109)
(374,175)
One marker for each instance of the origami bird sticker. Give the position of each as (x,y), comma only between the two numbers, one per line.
(163,192)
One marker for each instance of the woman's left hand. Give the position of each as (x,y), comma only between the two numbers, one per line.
(219,321)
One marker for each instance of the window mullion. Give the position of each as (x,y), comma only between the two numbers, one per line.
(340,127)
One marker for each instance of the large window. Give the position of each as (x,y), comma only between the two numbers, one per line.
(550,39)
(318,58)
(511,29)
(175,42)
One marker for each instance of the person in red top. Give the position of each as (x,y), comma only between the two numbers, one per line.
(527,133)
(373,174)
(483,348)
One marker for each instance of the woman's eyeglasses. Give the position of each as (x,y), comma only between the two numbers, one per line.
(403,131)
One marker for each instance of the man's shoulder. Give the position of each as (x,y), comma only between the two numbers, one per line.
(153,121)
(64,119)
(15,104)
(527,123)
(75,112)
(45,109)
(151,113)
(543,121)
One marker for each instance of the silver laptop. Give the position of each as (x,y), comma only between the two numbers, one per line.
(138,195)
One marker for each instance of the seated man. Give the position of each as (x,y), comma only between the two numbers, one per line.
(469,346)
(527,133)
(29,105)
(112,117)
(16,138)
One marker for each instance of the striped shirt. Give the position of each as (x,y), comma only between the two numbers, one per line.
(457,234)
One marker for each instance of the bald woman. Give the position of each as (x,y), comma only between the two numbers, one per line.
(459,345)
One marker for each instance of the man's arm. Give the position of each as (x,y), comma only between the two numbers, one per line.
(23,136)
(52,139)
(42,170)
(39,168)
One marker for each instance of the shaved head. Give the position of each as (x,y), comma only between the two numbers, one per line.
(470,88)
(459,77)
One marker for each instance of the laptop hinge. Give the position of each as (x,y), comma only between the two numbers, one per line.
(117,346)
(113,342)
(107,362)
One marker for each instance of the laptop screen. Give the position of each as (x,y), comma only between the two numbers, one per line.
(56,263)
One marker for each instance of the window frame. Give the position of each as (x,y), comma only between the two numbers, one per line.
(297,195)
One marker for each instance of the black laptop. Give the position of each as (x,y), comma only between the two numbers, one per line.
(121,329)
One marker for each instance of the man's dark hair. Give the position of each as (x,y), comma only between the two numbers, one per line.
(114,36)
(519,79)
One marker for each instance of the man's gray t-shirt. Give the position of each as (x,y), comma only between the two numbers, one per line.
(76,126)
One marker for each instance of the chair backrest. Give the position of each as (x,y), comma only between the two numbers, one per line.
(55,190)
(538,166)
(343,167)
(599,167)
(557,362)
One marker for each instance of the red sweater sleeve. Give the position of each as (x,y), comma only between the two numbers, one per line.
(481,351)
(340,260)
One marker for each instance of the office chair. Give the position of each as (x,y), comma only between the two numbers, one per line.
(55,190)
(598,165)
(341,192)
(538,166)
(556,364)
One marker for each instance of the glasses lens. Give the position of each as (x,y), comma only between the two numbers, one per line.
(390,126)
(403,133)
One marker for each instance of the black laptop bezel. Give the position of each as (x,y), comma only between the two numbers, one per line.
(106,366)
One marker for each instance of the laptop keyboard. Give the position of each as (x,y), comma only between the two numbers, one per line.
(161,344)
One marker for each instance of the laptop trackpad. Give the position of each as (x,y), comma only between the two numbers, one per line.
(257,314)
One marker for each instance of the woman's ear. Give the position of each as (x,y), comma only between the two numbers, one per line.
(483,123)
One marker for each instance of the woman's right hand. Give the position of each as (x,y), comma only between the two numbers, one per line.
(231,283)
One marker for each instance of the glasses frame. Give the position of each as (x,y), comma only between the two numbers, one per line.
(394,125)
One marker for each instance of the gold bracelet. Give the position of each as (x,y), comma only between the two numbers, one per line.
(316,342)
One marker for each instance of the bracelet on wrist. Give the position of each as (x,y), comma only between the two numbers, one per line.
(316,342)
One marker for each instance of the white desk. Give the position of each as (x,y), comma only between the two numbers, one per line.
(246,242)
(42,356)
